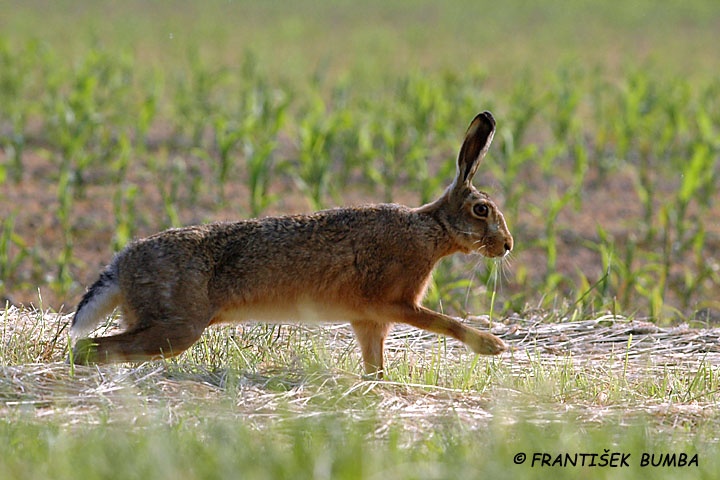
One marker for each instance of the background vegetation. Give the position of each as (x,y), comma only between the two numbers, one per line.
(119,119)
(147,116)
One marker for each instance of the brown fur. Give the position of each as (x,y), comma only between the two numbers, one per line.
(367,265)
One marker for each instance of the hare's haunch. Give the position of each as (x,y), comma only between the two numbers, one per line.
(367,265)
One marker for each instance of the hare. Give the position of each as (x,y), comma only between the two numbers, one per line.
(368,265)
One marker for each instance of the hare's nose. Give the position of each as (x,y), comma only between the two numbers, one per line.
(508,245)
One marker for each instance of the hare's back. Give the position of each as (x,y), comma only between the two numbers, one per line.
(322,254)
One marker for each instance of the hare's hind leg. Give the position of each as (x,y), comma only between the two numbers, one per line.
(134,346)
(371,337)
(479,342)
(146,341)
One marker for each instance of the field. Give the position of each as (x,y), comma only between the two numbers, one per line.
(118,120)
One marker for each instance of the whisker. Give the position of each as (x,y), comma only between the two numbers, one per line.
(480,258)
(506,266)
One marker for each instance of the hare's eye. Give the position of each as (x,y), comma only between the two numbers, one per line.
(481,210)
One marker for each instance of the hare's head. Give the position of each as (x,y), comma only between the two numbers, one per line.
(472,218)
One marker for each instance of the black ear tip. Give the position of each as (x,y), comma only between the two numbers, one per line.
(483,122)
(488,117)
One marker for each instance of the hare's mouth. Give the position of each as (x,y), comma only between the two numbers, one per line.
(494,250)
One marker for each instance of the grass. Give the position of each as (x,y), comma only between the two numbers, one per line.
(605,163)
(234,449)
(278,401)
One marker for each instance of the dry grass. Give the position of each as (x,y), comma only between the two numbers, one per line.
(605,370)
(281,401)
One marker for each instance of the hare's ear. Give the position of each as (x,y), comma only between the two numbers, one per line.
(477,141)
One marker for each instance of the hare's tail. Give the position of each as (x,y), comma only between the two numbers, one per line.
(97,303)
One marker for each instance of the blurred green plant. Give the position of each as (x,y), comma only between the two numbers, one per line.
(170,147)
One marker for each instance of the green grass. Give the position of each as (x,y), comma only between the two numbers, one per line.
(369,40)
(332,447)
(120,119)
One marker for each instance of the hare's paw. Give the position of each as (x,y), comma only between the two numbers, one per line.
(373,377)
(484,343)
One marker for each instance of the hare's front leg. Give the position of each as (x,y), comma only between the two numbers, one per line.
(418,316)
(371,337)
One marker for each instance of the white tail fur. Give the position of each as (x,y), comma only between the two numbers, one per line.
(99,301)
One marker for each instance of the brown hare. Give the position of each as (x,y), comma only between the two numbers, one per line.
(367,265)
